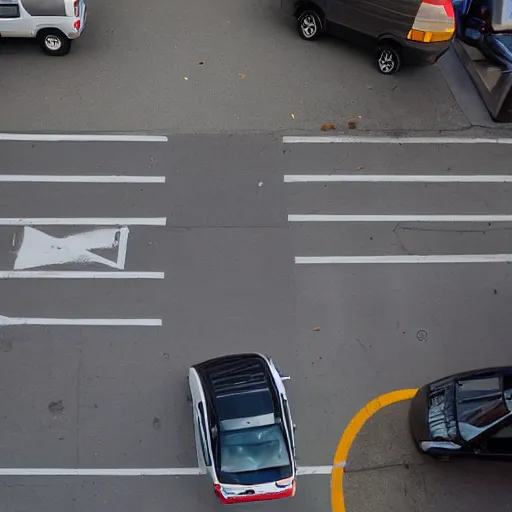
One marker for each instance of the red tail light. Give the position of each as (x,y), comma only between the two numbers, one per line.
(434,22)
(76,8)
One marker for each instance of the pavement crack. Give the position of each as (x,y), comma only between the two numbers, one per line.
(406,465)
(395,232)
(28,486)
(455,230)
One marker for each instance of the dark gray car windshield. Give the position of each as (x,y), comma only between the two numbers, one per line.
(480,403)
(253,449)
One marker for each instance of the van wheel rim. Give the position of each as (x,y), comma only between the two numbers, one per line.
(53,42)
(387,61)
(308,25)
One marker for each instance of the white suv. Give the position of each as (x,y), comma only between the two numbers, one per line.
(54,23)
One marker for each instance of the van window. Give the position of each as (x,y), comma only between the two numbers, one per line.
(9,9)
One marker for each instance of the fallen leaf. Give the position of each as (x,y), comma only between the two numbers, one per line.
(201,62)
(293,116)
(360,168)
(327,127)
(185,78)
(352,123)
(316,329)
(241,75)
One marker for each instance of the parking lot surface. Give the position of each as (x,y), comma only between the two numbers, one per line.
(385,471)
(226,66)
(220,243)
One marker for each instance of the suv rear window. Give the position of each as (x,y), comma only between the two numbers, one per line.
(9,9)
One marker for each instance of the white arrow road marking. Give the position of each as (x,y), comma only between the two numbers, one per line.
(39,249)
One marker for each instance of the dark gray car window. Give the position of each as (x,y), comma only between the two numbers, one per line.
(45,7)
(480,403)
(9,10)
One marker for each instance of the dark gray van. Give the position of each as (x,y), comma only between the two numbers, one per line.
(411,31)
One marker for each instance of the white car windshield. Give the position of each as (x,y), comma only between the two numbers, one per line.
(253,449)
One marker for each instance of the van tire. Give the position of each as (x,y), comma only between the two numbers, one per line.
(309,24)
(388,59)
(54,42)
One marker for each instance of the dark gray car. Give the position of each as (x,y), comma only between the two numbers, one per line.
(414,31)
(468,414)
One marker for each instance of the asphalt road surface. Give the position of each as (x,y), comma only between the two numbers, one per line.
(138,69)
(92,396)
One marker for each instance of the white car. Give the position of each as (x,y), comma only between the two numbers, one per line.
(243,428)
(54,23)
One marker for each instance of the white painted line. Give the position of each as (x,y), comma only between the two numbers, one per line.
(399,218)
(78,274)
(54,137)
(122,247)
(395,178)
(117,322)
(301,471)
(36,178)
(314,470)
(400,259)
(84,221)
(393,140)
(99,472)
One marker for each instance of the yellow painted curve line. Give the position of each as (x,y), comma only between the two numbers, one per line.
(354,427)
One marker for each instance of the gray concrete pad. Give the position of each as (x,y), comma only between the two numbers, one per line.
(211,180)
(385,470)
(344,333)
(369,318)
(374,239)
(400,198)
(397,158)
(158,494)
(110,81)
(38,386)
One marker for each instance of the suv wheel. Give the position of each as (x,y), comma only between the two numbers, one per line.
(54,42)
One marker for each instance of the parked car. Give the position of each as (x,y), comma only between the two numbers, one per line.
(412,31)
(467,414)
(244,432)
(54,23)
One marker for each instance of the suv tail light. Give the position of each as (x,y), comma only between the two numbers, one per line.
(434,22)
(76,8)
